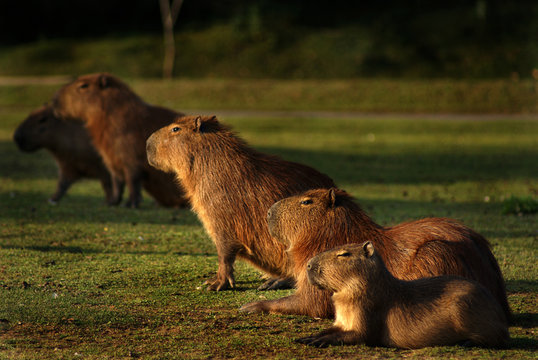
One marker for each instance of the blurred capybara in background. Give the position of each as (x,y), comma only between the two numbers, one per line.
(119,123)
(230,187)
(69,144)
(321,219)
(373,307)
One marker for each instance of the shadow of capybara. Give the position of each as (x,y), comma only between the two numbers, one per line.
(230,187)
(373,307)
(69,144)
(119,123)
(321,219)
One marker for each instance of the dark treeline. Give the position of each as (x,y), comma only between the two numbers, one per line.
(435,33)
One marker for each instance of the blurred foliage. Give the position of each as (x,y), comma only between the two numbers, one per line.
(263,38)
(520,205)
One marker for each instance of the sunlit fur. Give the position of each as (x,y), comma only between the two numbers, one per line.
(69,144)
(375,308)
(230,187)
(415,249)
(119,123)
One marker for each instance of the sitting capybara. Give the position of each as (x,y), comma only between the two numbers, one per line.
(321,219)
(230,187)
(373,307)
(69,144)
(119,123)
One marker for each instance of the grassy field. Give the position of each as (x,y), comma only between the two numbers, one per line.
(83,280)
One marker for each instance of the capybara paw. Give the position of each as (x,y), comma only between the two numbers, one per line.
(217,284)
(277,284)
(316,341)
(253,307)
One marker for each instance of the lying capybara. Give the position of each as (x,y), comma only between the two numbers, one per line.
(119,123)
(230,187)
(69,144)
(321,219)
(373,307)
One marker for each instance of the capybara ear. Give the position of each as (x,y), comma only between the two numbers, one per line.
(332,197)
(104,81)
(368,249)
(198,124)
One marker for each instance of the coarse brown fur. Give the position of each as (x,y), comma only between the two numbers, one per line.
(119,123)
(230,187)
(321,219)
(69,144)
(375,308)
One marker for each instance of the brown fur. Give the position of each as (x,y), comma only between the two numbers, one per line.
(321,219)
(119,123)
(69,144)
(375,308)
(231,186)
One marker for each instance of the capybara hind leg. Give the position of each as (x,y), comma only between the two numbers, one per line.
(117,191)
(277,284)
(63,185)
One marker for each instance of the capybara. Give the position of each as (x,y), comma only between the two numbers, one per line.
(373,307)
(69,144)
(119,123)
(230,187)
(321,219)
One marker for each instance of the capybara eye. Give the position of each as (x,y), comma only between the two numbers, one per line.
(83,86)
(175,129)
(344,253)
(306,202)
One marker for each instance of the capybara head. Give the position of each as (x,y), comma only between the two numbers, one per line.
(321,211)
(344,267)
(91,93)
(174,148)
(38,130)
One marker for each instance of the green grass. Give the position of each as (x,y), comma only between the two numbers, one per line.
(357,95)
(83,280)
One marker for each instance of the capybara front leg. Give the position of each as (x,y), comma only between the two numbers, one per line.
(134,183)
(225,274)
(117,191)
(308,301)
(63,185)
(277,284)
(106,184)
(287,305)
(333,337)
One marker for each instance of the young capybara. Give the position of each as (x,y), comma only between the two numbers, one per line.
(119,123)
(69,144)
(230,187)
(321,219)
(373,307)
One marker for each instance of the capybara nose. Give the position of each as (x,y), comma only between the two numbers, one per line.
(308,266)
(269,213)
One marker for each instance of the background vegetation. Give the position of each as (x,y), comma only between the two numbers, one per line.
(275,39)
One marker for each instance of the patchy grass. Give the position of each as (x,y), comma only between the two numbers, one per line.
(83,280)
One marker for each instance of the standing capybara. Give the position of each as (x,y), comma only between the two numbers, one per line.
(373,307)
(69,144)
(321,219)
(119,123)
(230,187)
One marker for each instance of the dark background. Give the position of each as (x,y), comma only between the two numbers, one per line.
(443,37)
